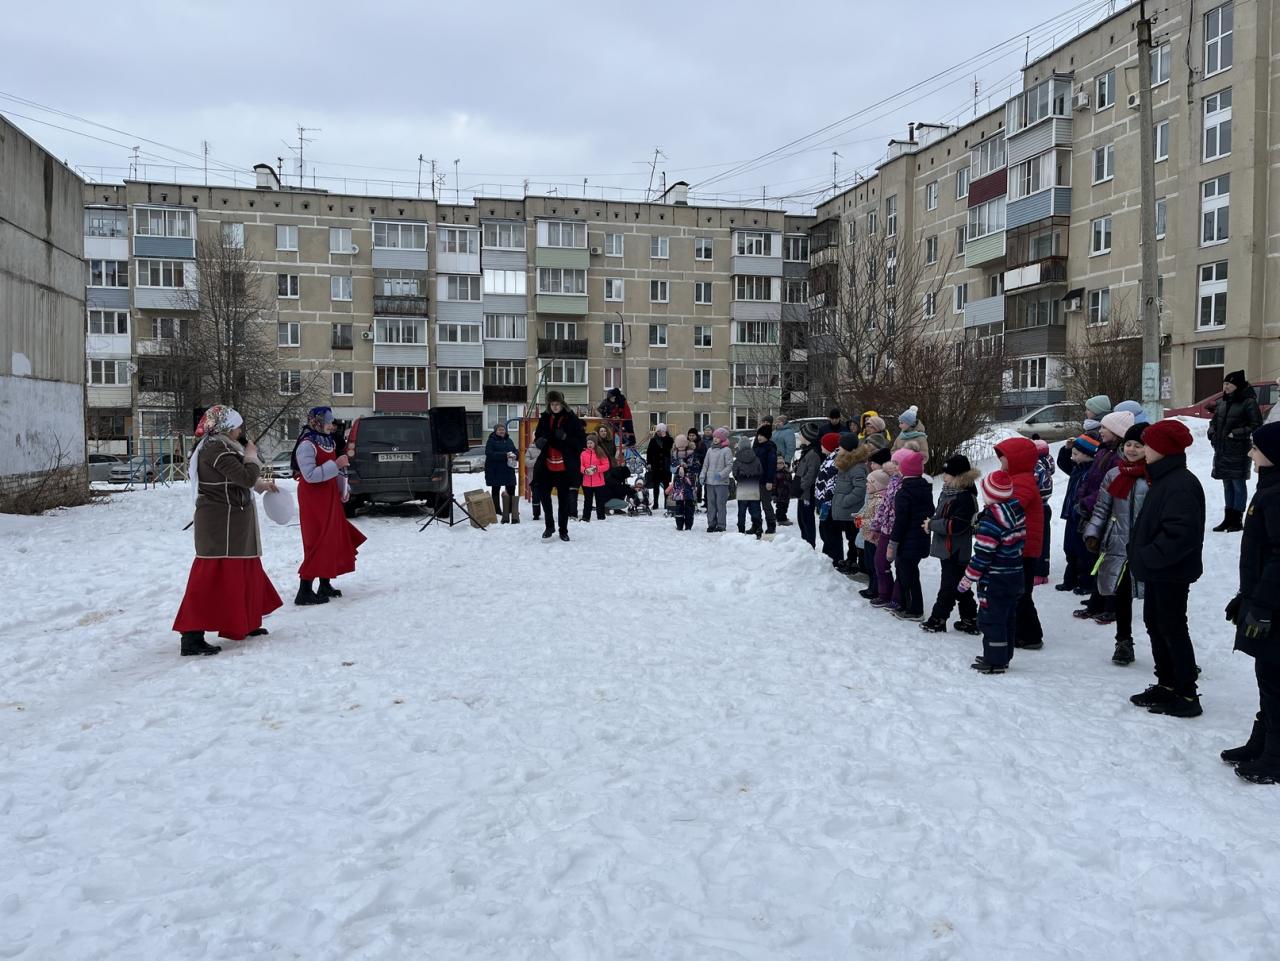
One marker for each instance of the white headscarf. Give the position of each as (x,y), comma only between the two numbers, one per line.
(216,420)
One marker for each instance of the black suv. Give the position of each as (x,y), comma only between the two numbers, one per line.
(393,461)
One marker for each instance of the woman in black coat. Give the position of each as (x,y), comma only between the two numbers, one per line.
(1253,611)
(500,472)
(1234,420)
(560,438)
(658,460)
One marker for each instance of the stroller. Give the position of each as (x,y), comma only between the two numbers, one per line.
(622,492)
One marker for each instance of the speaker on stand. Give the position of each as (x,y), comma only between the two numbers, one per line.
(449,437)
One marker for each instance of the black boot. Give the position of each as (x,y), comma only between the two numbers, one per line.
(327,589)
(1251,750)
(259,632)
(549,533)
(306,595)
(1180,706)
(564,535)
(934,626)
(193,644)
(1123,652)
(1225,523)
(967,625)
(1234,519)
(1155,694)
(1265,769)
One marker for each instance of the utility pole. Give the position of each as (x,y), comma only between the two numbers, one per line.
(419,176)
(204,145)
(835,170)
(133,164)
(457,191)
(1149,310)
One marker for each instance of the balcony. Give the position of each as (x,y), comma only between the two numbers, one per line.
(551,348)
(984,249)
(1050,270)
(989,310)
(1052,202)
(399,305)
(505,394)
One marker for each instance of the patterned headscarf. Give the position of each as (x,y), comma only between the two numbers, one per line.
(318,418)
(218,419)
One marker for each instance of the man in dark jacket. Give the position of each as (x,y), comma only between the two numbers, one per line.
(834,424)
(560,438)
(804,477)
(1165,549)
(767,452)
(1236,418)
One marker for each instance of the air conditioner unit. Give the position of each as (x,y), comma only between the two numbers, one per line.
(1135,100)
(366,335)
(1082,100)
(1074,304)
(617,350)
(596,251)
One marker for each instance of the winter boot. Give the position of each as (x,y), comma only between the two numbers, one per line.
(983,666)
(259,632)
(549,533)
(679,523)
(193,643)
(1178,707)
(514,505)
(1234,519)
(1124,652)
(967,626)
(1155,694)
(564,535)
(1064,587)
(1224,523)
(1029,645)
(934,626)
(327,589)
(308,596)
(1264,770)
(1252,749)
(504,503)
(1104,618)
(870,593)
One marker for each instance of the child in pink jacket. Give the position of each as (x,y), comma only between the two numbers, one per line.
(595,464)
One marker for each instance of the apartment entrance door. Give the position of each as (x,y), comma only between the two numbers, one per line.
(1210,368)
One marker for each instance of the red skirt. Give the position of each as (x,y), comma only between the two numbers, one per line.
(329,540)
(230,595)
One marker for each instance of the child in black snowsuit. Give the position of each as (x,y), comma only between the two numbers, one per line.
(952,530)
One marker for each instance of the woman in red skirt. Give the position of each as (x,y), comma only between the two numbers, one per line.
(227,590)
(329,540)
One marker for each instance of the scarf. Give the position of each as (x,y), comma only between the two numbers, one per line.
(1130,471)
(216,420)
(318,418)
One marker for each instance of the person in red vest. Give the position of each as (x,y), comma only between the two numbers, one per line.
(1018,457)
(329,540)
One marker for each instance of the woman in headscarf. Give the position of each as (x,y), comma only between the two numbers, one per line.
(500,474)
(227,589)
(329,540)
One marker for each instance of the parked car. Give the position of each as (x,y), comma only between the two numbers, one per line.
(1053,422)
(282,464)
(1266,391)
(100,466)
(393,461)
(472,462)
(136,470)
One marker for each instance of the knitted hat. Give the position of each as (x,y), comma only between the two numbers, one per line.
(1167,437)
(877,441)
(1091,424)
(1267,439)
(1137,410)
(909,416)
(721,434)
(1042,445)
(849,441)
(879,478)
(830,441)
(1086,445)
(882,456)
(1237,377)
(809,432)
(682,442)
(1118,422)
(910,462)
(1135,433)
(875,425)
(553,396)
(833,413)
(767,419)
(765,431)
(956,465)
(1099,405)
(997,486)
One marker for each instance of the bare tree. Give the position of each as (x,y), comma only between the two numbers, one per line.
(1106,358)
(755,379)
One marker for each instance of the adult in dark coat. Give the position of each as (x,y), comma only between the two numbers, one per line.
(909,539)
(657,457)
(1234,420)
(499,474)
(1253,611)
(1165,551)
(834,425)
(560,438)
(767,452)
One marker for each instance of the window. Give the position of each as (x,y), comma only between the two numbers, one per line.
(1104,90)
(1215,210)
(397,284)
(657,335)
(1099,307)
(995,285)
(891,216)
(1032,373)
(160,273)
(754,243)
(286,285)
(108,322)
(1218,30)
(290,382)
(505,282)
(931,195)
(162,222)
(560,329)
(1161,62)
(497,414)
(988,157)
(930,305)
(795,291)
(458,380)
(613,245)
(562,233)
(1100,236)
(1211,356)
(1039,310)
(612,378)
(168,328)
(561,280)
(1162,141)
(702,335)
(1051,169)
(400,378)
(986,218)
(340,242)
(1213,296)
(286,237)
(891,269)
(659,247)
(755,375)
(342,338)
(108,373)
(931,249)
(111,273)
(289,334)
(962,183)
(755,332)
(871,222)
(961,297)
(1162,217)
(105,223)
(612,333)
(613,289)
(393,236)
(657,417)
(457,333)
(505,327)
(505,373)
(504,236)
(459,240)
(659,291)
(702,292)
(344,383)
(702,379)
(232,235)
(1104,163)
(462,287)
(1217,125)
(657,378)
(753,288)
(850,230)
(1050,98)
(961,235)
(567,372)
(339,288)
(399,330)
(795,249)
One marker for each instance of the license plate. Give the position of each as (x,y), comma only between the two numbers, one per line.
(383,458)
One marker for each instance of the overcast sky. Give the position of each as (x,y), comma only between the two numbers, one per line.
(512,90)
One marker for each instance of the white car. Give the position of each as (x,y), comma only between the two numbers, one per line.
(1053,422)
(472,462)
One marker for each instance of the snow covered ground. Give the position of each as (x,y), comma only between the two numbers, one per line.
(643,744)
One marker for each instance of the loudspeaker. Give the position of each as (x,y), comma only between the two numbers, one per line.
(449,429)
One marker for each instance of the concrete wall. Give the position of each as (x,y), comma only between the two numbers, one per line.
(42,324)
